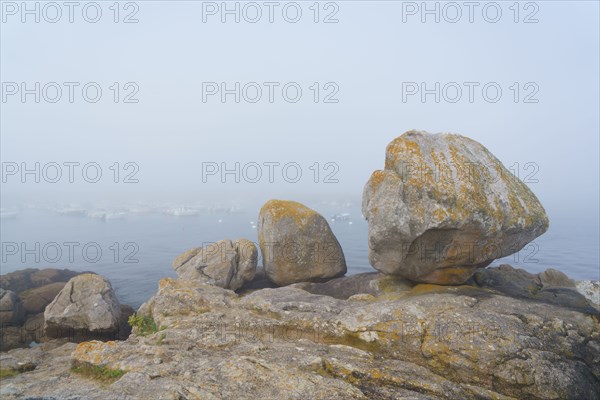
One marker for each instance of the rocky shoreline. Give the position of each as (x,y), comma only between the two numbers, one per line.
(432,322)
(363,336)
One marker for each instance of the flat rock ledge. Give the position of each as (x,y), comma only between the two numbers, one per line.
(383,338)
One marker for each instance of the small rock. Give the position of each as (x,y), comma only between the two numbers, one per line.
(87,303)
(35,300)
(11,308)
(224,264)
(554,278)
(297,244)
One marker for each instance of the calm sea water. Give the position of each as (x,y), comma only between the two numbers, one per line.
(134,249)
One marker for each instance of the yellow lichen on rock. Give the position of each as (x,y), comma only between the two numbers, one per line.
(299,213)
(439,195)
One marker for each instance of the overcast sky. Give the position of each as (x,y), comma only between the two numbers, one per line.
(371,61)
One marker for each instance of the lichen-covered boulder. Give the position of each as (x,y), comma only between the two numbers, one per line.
(444,206)
(297,244)
(87,304)
(224,264)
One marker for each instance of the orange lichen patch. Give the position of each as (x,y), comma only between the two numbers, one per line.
(279,209)
(377,178)
(443,170)
(373,377)
(89,352)
(426,288)
(86,347)
(163,283)
(402,148)
(449,275)
(440,214)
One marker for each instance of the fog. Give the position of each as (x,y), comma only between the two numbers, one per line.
(172,133)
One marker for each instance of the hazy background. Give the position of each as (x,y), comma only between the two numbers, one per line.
(368,54)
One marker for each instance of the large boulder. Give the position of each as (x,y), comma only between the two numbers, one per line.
(444,206)
(297,244)
(11,308)
(86,305)
(224,264)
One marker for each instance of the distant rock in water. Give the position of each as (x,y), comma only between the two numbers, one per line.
(444,206)
(87,306)
(224,264)
(297,244)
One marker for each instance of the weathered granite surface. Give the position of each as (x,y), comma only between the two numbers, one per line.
(382,339)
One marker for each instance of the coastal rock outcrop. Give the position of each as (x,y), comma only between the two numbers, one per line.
(444,206)
(297,244)
(385,338)
(224,264)
(36,288)
(87,305)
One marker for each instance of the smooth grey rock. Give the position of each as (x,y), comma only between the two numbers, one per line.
(11,308)
(297,244)
(224,264)
(371,283)
(550,286)
(87,303)
(35,300)
(444,206)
